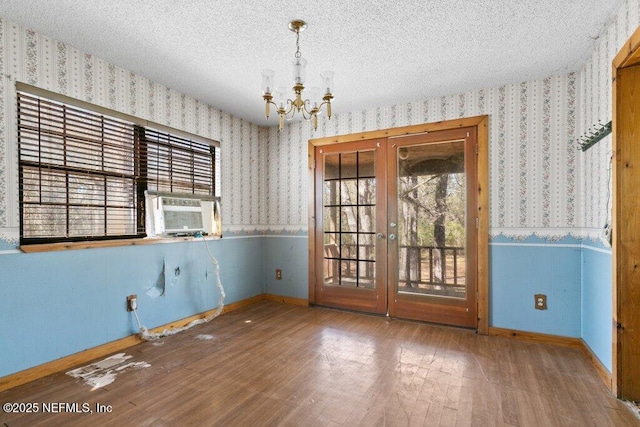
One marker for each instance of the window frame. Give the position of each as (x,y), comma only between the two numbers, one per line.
(140,185)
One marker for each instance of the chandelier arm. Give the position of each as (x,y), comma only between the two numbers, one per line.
(269,102)
(290,112)
(328,104)
(307,114)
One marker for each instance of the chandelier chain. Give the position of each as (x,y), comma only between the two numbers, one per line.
(298,54)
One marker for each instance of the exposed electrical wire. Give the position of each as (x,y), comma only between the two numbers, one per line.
(606,231)
(609,174)
(146,335)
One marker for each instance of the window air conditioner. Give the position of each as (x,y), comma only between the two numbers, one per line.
(180,214)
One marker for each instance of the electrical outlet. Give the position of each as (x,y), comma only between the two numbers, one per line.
(278,274)
(132,302)
(540,301)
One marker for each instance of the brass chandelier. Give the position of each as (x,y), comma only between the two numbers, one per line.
(287,108)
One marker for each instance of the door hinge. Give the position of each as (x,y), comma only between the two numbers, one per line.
(468,134)
(477,222)
(476,149)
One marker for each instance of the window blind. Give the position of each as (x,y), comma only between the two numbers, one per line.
(83,175)
(77,173)
(179,165)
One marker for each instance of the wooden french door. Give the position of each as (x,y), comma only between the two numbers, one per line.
(395,228)
(432,227)
(351,210)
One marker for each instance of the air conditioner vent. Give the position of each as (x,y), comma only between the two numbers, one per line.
(173,214)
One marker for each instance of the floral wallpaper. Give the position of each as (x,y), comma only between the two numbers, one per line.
(540,183)
(595,98)
(533,158)
(29,57)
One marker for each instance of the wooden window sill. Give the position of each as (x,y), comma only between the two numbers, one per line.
(66,246)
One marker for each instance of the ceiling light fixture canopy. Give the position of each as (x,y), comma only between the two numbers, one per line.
(287,108)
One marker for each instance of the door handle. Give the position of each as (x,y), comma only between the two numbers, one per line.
(380,236)
(392,237)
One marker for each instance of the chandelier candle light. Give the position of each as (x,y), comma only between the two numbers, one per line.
(287,108)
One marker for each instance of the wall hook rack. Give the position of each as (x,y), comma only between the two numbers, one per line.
(594,135)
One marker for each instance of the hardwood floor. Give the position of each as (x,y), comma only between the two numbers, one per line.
(278,364)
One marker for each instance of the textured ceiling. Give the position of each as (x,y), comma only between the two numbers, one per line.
(382,52)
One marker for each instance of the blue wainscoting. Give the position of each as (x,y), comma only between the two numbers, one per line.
(597,301)
(291,255)
(519,269)
(58,303)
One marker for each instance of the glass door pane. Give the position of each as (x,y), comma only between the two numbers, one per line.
(432,196)
(349,219)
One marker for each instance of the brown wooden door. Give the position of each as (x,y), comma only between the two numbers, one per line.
(432,227)
(626,221)
(396,226)
(350,211)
